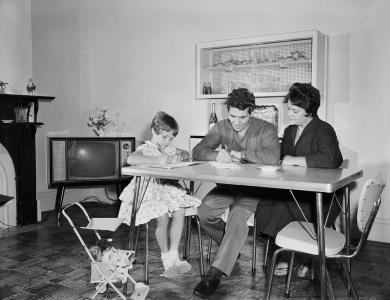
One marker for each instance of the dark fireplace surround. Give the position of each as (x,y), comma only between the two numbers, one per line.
(19,140)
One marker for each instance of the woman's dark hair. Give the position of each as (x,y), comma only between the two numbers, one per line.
(163,121)
(306,96)
(242,99)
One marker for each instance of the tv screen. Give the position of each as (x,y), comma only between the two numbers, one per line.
(92,159)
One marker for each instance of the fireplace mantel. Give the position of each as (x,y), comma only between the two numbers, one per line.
(19,140)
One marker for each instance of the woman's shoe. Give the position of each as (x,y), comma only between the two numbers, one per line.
(281,269)
(303,271)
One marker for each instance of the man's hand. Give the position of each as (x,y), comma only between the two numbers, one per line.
(236,155)
(223,156)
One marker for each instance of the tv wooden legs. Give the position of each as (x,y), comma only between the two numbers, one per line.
(59,201)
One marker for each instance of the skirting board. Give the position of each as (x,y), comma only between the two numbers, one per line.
(380,231)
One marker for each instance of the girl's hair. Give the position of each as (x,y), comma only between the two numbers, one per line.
(306,96)
(163,121)
(241,99)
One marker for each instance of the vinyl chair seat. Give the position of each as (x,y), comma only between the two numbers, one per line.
(295,236)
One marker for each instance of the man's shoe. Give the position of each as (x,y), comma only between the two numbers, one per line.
(206,287)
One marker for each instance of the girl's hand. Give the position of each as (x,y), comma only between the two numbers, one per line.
(176,158)
(164,159)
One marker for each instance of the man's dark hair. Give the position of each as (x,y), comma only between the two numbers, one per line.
(241,99)
(305,96)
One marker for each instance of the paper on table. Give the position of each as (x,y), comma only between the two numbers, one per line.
(221,165)
(173,165)
(110,224)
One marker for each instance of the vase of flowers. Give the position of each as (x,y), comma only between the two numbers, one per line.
(99,120)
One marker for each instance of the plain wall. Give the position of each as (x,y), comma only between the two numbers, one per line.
(138,57)
(15,44)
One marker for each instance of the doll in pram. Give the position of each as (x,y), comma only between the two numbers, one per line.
(108,265)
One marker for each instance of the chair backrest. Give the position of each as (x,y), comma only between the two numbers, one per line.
(369,202)
(193,141)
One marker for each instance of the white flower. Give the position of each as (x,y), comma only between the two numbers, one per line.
(100,119)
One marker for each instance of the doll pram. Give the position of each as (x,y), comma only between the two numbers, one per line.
(101,272)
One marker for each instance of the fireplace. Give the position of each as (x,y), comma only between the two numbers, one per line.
(8,188)
(17,140)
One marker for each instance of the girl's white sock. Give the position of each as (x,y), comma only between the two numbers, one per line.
(174,255)
(166,260)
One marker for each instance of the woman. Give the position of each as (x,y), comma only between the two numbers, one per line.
(307,142)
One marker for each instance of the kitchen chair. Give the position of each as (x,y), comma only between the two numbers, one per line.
(189,213)
(300,236)
(251,223)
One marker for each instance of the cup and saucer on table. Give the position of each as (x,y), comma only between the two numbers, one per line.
(269,169)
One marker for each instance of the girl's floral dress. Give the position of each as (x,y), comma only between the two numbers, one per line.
(161,197)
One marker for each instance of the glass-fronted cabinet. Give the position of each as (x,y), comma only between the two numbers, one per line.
(266,65)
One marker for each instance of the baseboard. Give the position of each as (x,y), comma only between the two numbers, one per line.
(380,231)
(47,199)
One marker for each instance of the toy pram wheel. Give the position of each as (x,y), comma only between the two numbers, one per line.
(100,289)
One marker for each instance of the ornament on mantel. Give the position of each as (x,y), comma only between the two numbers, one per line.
(3,86)
(30,87)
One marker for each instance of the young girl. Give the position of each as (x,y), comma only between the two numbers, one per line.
(163,198)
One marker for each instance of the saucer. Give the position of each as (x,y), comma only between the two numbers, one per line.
(7,121)
(269,169)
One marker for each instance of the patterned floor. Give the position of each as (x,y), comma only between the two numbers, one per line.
(42,261)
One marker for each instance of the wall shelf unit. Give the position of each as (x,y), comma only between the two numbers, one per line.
(266,65)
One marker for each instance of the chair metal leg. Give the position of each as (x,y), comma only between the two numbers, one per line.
(187,239)
(209,249)
(266,252)
(254,246)
(146,271)
(330,288)
(350,282)
(289,273)
(59,201)
(313,261)
(200,247)
(271,273)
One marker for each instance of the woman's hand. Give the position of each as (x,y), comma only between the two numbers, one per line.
(294,161)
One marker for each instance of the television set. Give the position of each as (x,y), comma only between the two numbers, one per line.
(86,160)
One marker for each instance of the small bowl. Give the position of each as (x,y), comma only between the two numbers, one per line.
(269,169)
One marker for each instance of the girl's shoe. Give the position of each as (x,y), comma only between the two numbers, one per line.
(182,266)
(170,273)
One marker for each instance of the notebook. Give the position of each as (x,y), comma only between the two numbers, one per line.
(174,165)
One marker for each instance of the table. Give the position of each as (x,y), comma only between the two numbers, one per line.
(288,177)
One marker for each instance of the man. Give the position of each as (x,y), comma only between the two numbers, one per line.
(240,138)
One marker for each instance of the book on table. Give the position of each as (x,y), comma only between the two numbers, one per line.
(173,165)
